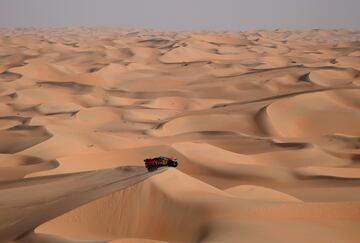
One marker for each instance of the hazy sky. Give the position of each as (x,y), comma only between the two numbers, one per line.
(184,14)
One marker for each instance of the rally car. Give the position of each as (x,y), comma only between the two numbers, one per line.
(154,163)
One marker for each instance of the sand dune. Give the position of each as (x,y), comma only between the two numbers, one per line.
(302,115)
(23,204)
(21,137)
(265,125)
(332,77)
(17,166)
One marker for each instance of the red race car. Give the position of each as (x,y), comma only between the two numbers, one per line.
(154,163)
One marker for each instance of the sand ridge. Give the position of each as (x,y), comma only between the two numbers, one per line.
(264,124)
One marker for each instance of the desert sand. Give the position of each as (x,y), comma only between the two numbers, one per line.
(265,124)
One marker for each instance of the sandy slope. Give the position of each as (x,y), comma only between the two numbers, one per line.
(265,125)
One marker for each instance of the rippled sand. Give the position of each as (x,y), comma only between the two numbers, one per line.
(265,124)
